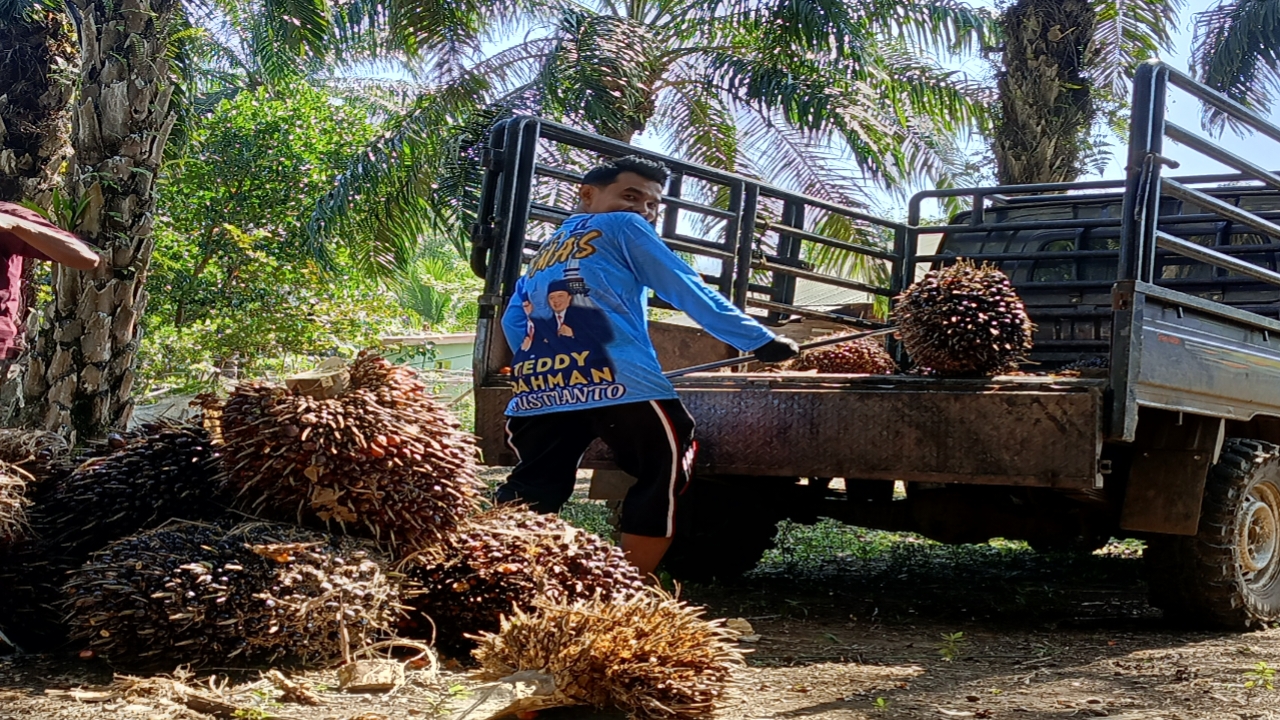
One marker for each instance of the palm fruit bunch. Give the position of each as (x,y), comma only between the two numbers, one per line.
(15,485)
(28,458)
(382,458)
(31,575)
(168,471)
(648,654)
(1097,362)
(44,455)
(198,594)
(171,471)
(508,556)
(964,319)
(864,356)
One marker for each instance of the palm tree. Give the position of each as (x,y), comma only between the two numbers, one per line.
(823,96)
(1236,50)
(1066,63)
(37,79)
(135,57)
(37,71)
(81,365)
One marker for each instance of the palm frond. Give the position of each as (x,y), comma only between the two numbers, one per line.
(933,24)
(809,165)
(419,181)
(799,160)
(602,73)
(1236,50)
(302,26)
(1126,33)
(699,124)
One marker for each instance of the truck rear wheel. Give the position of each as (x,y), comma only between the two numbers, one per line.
(1228,574)
(724,524)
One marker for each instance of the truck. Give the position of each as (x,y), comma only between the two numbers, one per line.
(1149,406)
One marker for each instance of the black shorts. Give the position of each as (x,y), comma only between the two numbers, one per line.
(652,441)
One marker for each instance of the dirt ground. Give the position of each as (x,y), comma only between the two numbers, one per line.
(851,624)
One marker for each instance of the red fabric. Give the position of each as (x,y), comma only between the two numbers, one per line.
(12,251)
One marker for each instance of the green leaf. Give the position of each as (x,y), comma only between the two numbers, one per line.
(1236,50)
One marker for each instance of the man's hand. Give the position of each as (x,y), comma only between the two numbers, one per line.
(565,331)
(777,350)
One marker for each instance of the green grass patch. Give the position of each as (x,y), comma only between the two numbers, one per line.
(589,515)
(829,548)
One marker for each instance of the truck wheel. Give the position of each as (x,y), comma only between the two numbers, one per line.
(724,525)
(1228,574)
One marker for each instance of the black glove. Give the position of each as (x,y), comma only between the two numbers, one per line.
(777,350)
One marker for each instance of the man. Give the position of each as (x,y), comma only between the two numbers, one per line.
(24,234)
(592,372)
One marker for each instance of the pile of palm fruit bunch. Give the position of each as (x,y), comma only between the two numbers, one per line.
(216,593)
(963,320)
(648,654)
(504,557)
(863,356)
(382,458)
(266,530)
(171,471)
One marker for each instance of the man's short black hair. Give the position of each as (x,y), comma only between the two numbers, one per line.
(606,174)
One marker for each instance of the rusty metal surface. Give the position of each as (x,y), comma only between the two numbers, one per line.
(1007,431)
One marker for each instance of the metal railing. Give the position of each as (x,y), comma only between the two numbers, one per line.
(1144,186)
(764,238)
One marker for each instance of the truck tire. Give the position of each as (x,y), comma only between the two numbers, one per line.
(724,524)
(1228,574)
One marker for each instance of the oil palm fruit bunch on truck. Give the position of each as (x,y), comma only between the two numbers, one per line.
(865,356)
(964,319)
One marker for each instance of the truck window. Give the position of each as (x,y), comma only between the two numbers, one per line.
(1176,267)
(1265,259)
(1055,270)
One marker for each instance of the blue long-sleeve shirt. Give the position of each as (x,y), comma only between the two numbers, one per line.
(578,322)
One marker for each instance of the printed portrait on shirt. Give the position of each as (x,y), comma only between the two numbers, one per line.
(563,354)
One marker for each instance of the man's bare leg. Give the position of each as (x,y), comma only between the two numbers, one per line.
(644,552)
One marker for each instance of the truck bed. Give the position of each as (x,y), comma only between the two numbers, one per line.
(1009,430)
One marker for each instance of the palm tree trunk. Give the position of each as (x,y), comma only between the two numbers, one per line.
(37,79)
(37,69)
(82,363)
(1046,110)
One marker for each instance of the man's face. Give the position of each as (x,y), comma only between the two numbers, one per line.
(629,193)
(559,300)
